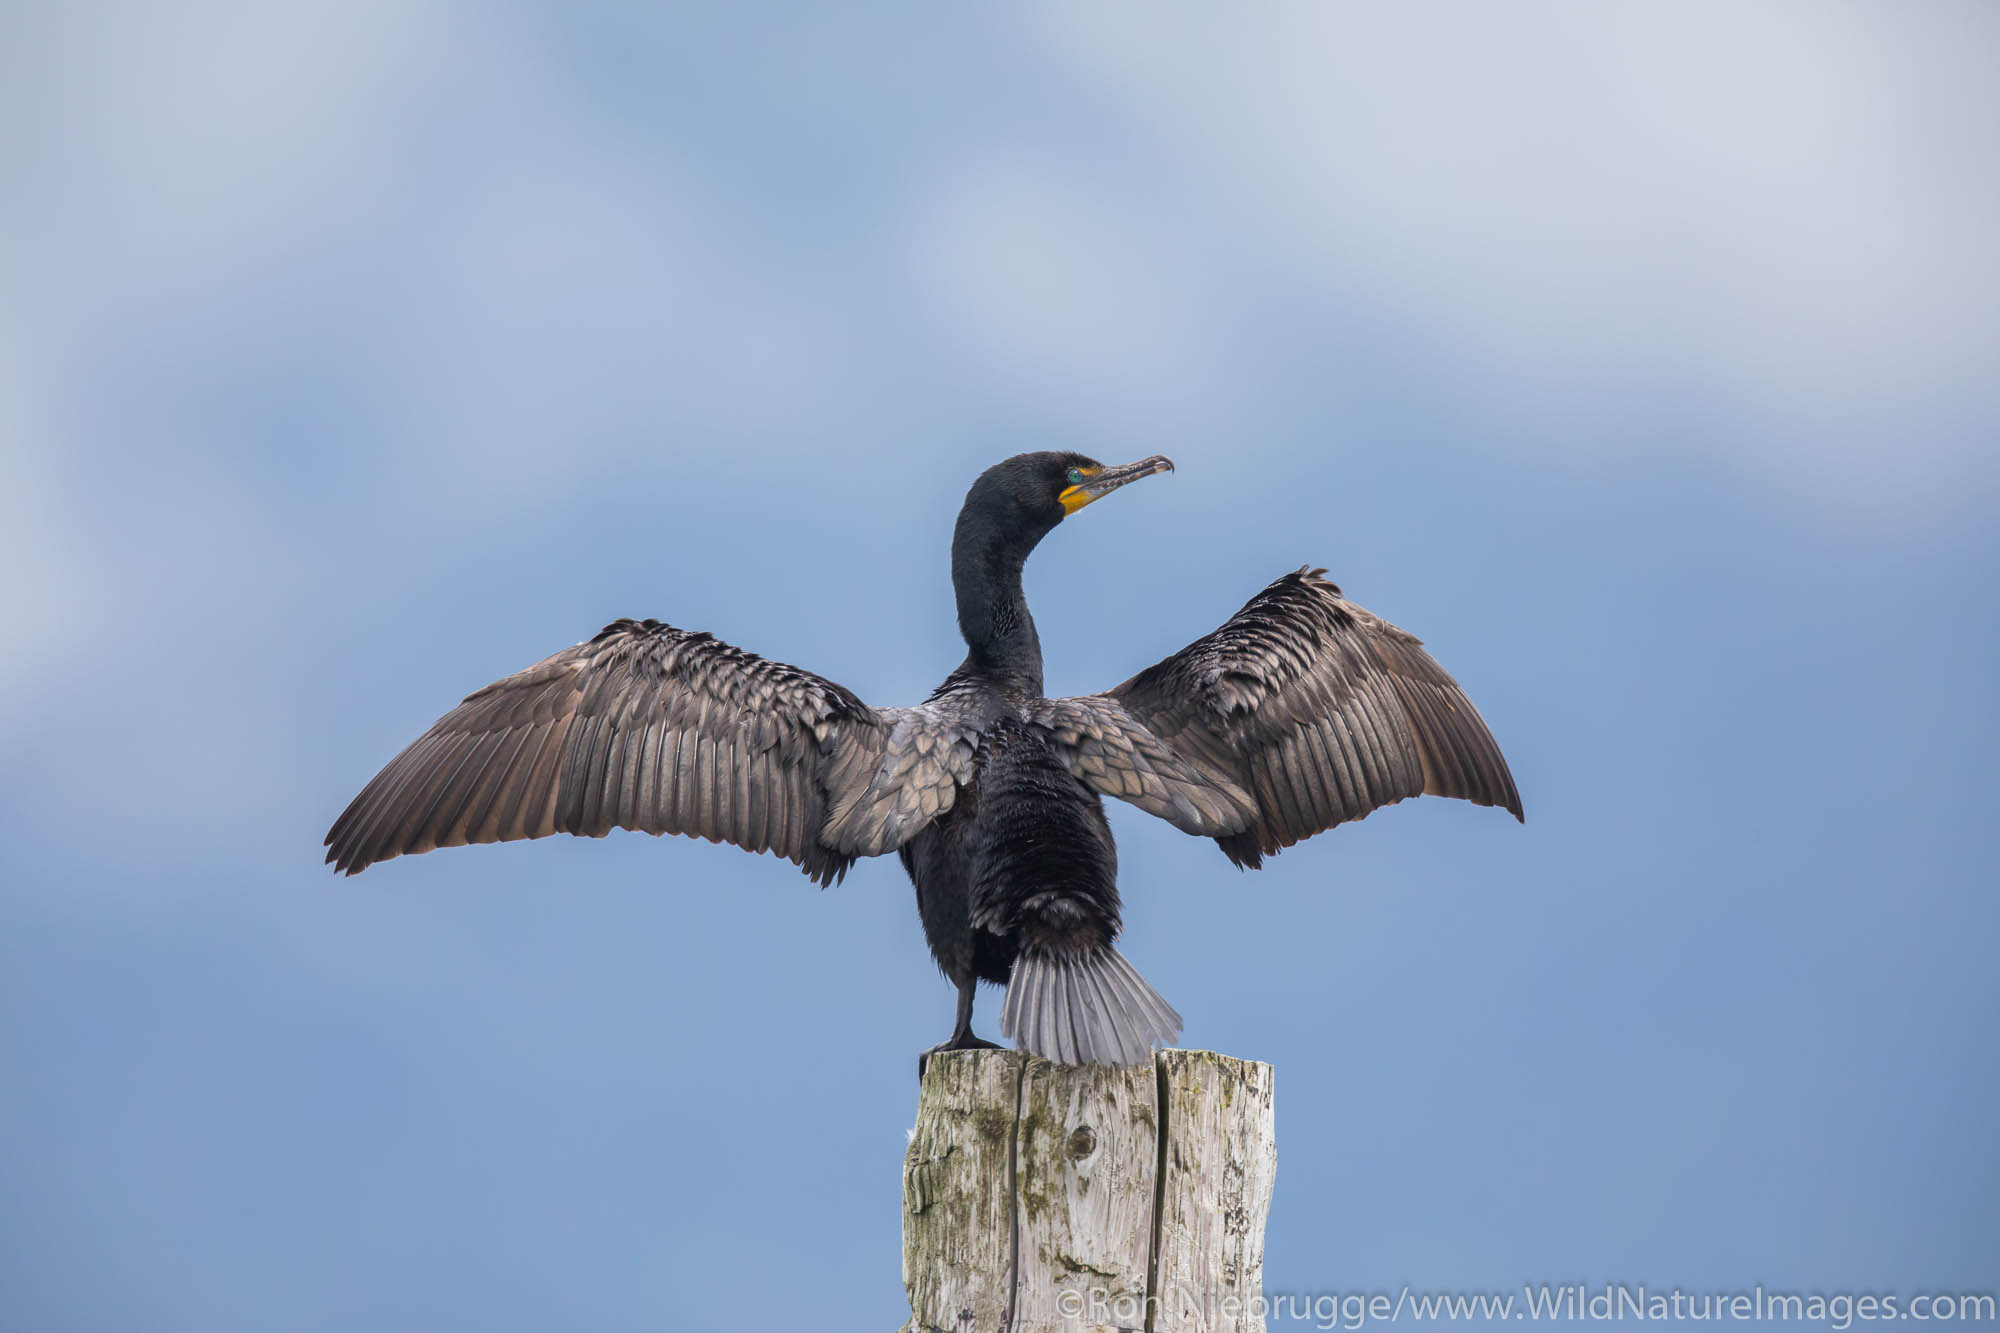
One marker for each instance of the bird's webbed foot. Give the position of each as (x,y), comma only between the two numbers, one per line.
(958,1042)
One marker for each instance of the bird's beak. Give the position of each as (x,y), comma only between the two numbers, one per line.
(1099,484)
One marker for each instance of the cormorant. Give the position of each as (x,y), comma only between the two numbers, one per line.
(1302,711)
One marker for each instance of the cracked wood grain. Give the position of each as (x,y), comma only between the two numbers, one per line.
(1041,1197)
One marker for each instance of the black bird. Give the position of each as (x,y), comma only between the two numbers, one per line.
(1301,712)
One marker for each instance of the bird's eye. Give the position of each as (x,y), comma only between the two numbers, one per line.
(1076,476)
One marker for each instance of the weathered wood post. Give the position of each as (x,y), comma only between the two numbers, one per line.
(1042,1197)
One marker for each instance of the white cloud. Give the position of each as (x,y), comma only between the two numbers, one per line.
(1040,275)
(545,285)
(49,568)
(1777,212)
(176,146)
(167,144)
(205,178)
(1779,209)
(570,300)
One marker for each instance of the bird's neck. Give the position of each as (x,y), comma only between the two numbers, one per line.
(992,612)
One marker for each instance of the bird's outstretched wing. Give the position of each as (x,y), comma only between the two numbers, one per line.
(1301,712)
(662,730)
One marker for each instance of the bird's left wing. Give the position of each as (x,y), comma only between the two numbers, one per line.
(1301,712)
(663,730)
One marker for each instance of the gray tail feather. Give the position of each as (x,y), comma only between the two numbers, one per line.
(1085,1009)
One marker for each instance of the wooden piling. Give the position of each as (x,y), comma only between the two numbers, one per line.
(1041,1197)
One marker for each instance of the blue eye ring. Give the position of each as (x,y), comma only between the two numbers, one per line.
(1076,476)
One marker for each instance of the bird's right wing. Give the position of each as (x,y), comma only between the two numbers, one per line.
(1301,712)
(661,730)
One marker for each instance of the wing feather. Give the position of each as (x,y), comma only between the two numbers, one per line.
(1303,711)
(654,728)
(524,815)
(492,783)
(758,787)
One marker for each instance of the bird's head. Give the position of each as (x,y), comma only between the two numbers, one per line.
(1029,494)
(1009,509)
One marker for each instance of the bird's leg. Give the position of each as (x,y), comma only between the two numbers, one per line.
(961,1032)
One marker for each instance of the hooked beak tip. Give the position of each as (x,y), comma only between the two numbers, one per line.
(1110,479)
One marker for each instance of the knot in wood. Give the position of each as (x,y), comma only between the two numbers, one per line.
(1082,1142)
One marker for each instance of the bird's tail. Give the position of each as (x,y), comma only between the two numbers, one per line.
(1085,1009)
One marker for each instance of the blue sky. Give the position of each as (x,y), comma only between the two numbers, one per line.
(352,355)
